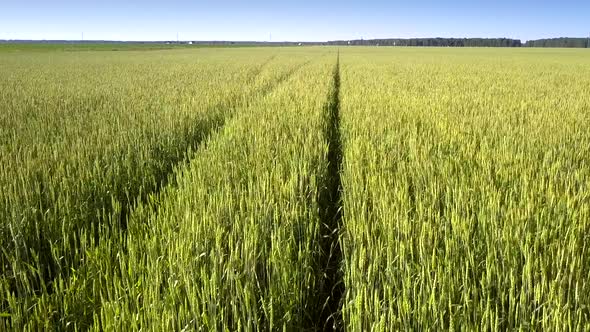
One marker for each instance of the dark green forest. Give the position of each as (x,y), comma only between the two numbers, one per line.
(435,42)
(560,42)
(469,42)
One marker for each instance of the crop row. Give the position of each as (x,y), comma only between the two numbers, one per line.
(466,191)
(234,244)
(84,139)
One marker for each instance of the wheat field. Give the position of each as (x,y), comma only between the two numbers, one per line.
(294,188)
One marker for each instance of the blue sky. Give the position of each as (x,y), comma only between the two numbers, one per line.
(291,20)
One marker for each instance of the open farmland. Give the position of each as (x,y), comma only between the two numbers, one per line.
(466,179)
(295,189)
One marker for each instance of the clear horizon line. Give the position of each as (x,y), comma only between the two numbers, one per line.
(261,41)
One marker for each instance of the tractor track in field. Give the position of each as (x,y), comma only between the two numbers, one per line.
(269,88)
(195,141)
(263,92)
(219,122)
(332,287)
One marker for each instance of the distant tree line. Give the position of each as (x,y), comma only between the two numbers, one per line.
(468,42)
(560,42)
(435,42)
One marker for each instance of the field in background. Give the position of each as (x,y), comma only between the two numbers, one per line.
(358,188)
(131,46)
(72,47)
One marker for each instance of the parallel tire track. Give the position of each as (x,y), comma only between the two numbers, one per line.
(329,318)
